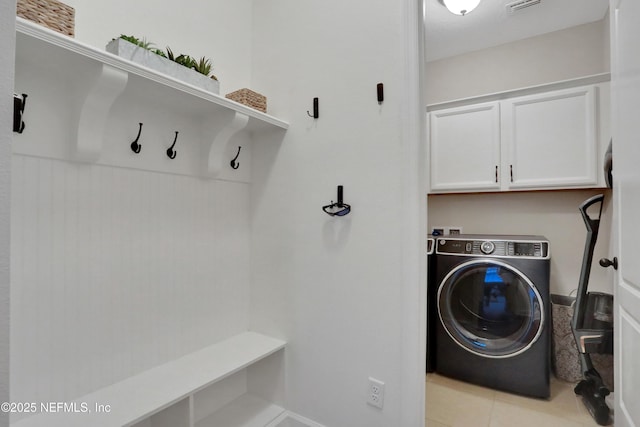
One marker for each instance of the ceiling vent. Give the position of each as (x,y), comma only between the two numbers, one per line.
(518,5)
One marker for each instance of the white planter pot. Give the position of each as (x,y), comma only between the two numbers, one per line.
(132,52)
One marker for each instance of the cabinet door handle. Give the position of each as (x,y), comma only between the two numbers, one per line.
(511,172)
(496,173)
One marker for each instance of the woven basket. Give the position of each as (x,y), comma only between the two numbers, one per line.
(249,98)
(49,13)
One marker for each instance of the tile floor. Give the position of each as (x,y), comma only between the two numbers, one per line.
(452,403)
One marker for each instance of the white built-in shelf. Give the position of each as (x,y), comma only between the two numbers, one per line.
(139,397)
(100,78)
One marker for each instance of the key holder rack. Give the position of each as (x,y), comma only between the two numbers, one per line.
(338,208)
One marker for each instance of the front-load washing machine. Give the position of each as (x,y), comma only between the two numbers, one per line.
(493,307)
(432,308)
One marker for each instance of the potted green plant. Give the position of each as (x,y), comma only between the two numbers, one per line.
(182,67)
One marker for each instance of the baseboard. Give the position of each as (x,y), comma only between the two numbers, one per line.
(291,419)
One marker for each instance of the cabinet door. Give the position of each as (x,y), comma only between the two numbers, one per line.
(465,148)
(550,139)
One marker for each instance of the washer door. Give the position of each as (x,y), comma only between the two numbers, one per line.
(490,308)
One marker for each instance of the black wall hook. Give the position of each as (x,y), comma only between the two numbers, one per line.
(338,208)
(234,164)
(135,147)
(171,153)
(316,113)
(18,112)
(380,93)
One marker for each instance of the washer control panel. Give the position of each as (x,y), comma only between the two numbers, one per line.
(515,247)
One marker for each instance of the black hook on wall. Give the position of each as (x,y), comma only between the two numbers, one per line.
(135,147)
(18,112)
(170,151)
(316,113)
(235,164)
(338,208)
(380,88)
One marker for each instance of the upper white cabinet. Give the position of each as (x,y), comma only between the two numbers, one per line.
(465,148)
(552,139)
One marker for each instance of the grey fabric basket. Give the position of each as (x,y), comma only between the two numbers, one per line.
(565,361)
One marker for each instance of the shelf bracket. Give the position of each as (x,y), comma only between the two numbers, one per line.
(234,124)
(94,112)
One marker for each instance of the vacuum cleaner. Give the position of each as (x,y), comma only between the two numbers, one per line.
(592,323)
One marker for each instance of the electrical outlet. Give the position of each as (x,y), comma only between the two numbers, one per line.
(375,393)
(455,231)
(437,231)
(446,231)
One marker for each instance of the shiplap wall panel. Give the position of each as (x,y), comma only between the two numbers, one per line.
(118,270)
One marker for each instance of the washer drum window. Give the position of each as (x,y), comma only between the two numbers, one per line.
(490,308)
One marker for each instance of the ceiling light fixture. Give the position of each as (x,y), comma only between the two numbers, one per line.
(461,7)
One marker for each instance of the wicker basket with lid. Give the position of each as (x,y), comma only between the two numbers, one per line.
(249,98)
(52,14)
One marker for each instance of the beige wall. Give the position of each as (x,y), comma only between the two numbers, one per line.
(561,55)
(566,54)
(553,214)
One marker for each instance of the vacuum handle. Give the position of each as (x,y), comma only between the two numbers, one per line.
(592,235)
(591,223)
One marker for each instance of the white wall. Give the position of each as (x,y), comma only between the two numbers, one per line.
(336,288)
(218,29)
(7,54)
(561,55)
